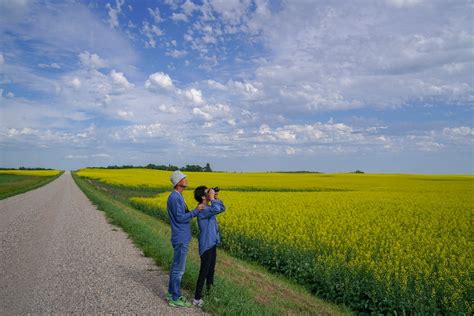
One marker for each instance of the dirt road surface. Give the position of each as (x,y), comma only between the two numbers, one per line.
(58,254)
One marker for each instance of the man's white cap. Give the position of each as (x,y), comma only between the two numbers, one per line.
(176,177)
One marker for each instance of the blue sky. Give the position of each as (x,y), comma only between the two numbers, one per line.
(246,85)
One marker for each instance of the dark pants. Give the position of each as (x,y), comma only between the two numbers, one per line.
(208,264)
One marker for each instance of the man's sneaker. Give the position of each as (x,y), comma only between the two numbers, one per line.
(180,302)
(169,297)
(198,303)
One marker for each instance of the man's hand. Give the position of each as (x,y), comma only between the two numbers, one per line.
(201,206)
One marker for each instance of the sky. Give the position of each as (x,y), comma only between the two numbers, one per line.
(246,85)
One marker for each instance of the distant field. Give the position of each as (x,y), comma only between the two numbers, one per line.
(377,243)
(14,182)
(159,180)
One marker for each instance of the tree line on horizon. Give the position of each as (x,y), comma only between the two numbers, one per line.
(206,168)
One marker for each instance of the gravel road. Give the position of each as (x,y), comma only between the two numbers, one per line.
(58,254)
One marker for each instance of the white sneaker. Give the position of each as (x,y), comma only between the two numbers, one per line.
(198,303)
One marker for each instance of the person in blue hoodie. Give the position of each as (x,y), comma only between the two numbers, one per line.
(180,219)
(209,206)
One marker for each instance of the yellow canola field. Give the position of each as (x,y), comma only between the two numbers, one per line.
(158,179)
(40,173)
(425,239)
(377,243)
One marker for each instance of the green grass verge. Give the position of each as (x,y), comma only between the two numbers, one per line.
(12,184)
(241,288)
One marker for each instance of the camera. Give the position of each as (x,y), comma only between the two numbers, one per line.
(216,189)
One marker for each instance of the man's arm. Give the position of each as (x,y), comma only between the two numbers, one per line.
(180,213)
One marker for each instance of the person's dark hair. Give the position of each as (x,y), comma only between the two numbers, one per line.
(199,192)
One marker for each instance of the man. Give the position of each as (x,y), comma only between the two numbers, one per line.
(180,220)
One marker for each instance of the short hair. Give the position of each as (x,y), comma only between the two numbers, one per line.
(199,192)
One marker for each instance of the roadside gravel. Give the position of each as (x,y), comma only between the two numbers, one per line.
(58,254)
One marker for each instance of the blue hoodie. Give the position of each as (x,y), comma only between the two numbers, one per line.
(208,230)
(179,219)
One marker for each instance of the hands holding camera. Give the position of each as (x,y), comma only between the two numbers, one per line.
(211,195)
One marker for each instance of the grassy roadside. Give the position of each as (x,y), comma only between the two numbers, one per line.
(241,287)
(11,184)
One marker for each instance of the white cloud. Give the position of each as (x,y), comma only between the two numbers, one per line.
(199,112)
(172,3)
(89,132)
(101,156)
(75,82)
(52,65)
(11,132)
(341,55)
(243,87)
(4,94)
(2,59)
(290,151)
(62,29)
(140,131)
(404,3)
(221,113)
(33,137)
(76,156)
(457,132)
(322,133)
(94,91)
(179,17)
(151,31)
(194,95)
(167,108)
(159,79)
(216,85)
(92,60)
(119,79)
(189,7)
(285,135)
(264,129)
(231,11)
(155,13)
(175,53)
(188,37)
(454,68)
(238,87)
(114,12)
(429,145)
(70,156)
(125,114)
